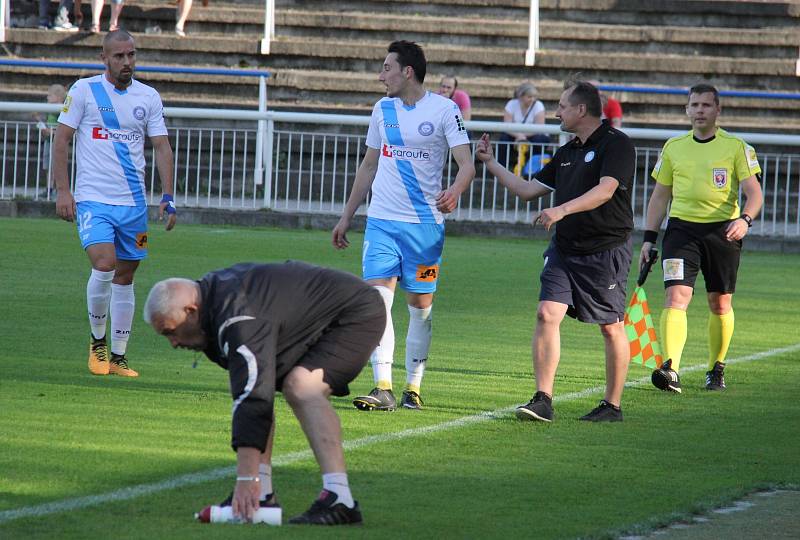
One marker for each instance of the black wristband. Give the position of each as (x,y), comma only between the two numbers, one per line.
(651,236)
(747,219)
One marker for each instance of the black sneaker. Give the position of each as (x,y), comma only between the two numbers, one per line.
(326,511)
(605,412)
(376,400)
(715,379)
(411,400)
(666,378)
(540,407)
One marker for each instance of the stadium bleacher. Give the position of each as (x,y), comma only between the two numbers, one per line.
(325,56)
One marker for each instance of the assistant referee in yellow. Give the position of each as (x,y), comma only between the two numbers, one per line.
(701,173)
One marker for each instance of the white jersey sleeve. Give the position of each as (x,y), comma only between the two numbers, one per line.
(373,132)
(155,121)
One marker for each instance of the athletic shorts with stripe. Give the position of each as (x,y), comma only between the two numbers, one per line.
(412,252)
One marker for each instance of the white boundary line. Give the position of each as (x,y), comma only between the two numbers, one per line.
(140,490)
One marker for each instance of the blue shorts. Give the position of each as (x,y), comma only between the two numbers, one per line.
(412,252)
(123,226)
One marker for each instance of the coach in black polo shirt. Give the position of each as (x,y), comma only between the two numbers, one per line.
(586,265)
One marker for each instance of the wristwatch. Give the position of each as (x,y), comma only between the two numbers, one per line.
(747,219)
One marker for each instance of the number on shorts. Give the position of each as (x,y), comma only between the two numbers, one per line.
(84,221)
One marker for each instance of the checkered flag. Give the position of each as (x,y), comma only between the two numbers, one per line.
(645,349)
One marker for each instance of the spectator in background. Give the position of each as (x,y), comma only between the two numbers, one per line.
(61,22)
(612,109)
(181,14)
(46,125)
(525,108)
(97,10)
(449,89)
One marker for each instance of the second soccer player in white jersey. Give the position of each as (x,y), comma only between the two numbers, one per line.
(111,114)
(410,136)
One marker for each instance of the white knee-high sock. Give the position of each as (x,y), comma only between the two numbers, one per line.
(122,308)
(265,479)
(418,343)
(337,483)
(98,296)
(383,356)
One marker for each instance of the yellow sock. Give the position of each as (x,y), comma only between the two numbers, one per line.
(384,385)
(412,388)
(720,332)
(673,335)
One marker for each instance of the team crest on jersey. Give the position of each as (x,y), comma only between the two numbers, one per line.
(720,177)
(589,156)
(67,103)
(138,112)
(425,129)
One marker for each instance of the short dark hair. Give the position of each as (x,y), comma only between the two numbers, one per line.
(410,54)
(585,93)
(116,35)
(704,88)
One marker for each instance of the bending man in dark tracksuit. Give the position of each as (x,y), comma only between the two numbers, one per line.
(299,329)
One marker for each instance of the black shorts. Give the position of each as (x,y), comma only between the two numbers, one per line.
(593,286)
(689,247)
(345,346)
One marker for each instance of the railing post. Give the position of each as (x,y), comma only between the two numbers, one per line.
(5,17)
(269,26)
(533,34)
(258,174)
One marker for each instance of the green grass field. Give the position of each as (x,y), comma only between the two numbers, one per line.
(450,471)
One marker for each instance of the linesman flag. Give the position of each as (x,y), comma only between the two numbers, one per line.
(645,349)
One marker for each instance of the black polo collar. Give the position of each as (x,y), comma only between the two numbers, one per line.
(596,135)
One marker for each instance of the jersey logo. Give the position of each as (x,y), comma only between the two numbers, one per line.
(720,177)
(138,112)
(460,123)
(427,273)
(589,156)
(67,103)
(673,269)
(402,152)
(752,160)
(141,240)
(103,134)
(425,129)
(391,126)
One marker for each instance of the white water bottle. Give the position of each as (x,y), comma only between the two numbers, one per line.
(270,515)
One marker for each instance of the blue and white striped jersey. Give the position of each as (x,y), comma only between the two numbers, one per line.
(110,128)
(414,142)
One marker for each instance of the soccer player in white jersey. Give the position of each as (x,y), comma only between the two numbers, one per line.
(409,136)
(111,114)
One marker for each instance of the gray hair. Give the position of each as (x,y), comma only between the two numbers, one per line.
(162,297)
(526,89)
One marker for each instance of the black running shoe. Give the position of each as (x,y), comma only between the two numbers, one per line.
(715,379)
(605,412)
(411,400)
(376,400)
(326,511)
(540,407)
(666,378)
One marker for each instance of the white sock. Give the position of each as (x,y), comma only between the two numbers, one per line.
(418,343)
(98,296)
(265,479)
(383,356)
(337,483)
(122,308)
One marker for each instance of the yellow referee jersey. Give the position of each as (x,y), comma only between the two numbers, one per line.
(705,176)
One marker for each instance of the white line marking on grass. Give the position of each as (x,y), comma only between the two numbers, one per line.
(133,492)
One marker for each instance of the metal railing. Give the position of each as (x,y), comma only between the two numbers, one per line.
(307,163)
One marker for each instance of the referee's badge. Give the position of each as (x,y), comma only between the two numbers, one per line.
(720,177)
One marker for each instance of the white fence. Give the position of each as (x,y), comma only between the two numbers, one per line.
(299,162)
